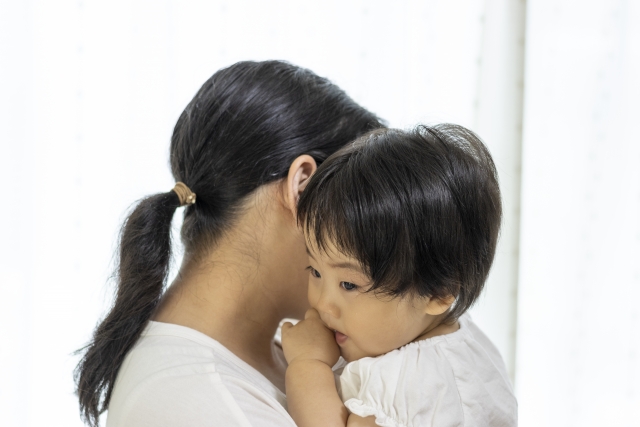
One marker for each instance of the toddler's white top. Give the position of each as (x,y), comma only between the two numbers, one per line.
(458,379)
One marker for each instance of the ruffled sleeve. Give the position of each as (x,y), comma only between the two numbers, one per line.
(410,387)
(452,380)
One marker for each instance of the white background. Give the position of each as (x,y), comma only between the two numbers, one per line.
(90,91)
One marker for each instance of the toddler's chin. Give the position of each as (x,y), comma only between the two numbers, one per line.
(345,355)
(351,356)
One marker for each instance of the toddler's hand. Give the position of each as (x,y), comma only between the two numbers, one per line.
(310,339)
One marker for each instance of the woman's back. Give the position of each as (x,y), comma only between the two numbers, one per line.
(178,376)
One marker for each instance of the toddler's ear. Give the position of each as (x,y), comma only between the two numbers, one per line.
(436,306)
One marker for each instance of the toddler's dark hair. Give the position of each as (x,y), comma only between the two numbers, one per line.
(420,210)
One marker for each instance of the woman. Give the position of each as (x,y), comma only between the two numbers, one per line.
(202,353)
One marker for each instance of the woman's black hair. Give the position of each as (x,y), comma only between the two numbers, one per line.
(419,210)
(243,129)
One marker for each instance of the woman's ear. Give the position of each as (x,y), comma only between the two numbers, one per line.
(436,306)
(299,173)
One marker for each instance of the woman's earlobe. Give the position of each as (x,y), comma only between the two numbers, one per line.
(297,179)
(437,306)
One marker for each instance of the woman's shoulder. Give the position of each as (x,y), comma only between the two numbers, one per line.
(175,375)
(166,350)
(448,376)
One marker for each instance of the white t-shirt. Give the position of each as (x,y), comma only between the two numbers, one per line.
(176,376)
(458,379)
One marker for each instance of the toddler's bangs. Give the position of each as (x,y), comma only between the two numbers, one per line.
(351,205)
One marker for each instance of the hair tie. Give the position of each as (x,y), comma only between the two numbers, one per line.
(186,196)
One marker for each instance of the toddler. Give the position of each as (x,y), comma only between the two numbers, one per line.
(401,230)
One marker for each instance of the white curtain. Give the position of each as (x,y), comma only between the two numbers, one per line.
(90,91)
(578,351)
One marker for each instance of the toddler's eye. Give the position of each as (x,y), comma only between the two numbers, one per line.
(347,286)
(315,273)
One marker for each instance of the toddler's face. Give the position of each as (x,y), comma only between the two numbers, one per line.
(366,325)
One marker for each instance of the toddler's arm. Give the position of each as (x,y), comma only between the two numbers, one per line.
(311,350)
(356,421)
(312,398)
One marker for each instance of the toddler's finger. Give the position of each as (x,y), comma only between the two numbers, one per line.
(286,326)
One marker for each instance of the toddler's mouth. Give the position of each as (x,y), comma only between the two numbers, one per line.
(340,337)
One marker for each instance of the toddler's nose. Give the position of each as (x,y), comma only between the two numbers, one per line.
(325,306)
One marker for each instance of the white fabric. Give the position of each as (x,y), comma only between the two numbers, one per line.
(458,379)
(176,376)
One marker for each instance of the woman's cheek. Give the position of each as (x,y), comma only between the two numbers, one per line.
(297,295)
(312,296)
(302,299)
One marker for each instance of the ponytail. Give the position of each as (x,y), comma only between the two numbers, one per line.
(143,265)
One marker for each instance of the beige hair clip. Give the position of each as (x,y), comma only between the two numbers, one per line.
(186,196)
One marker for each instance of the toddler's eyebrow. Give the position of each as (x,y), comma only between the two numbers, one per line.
(343,265)
(347,265)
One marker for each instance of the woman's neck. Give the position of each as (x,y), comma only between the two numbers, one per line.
(238,294)
(224,304)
